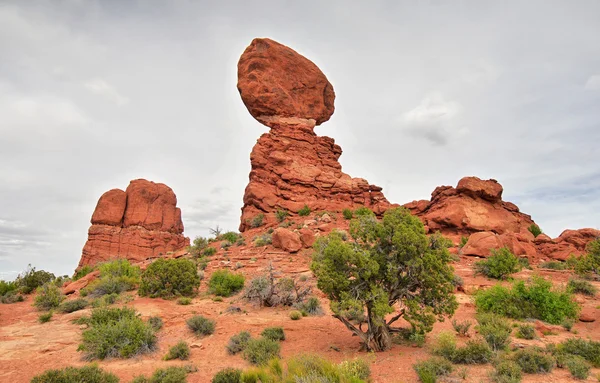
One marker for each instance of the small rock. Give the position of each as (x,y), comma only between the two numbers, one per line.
(326,218)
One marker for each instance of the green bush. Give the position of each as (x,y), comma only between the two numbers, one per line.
(228,375)
(86,374)
(116,333)
(273,333)
(257,220)
(281,215)
(580,286)
(168,278)
(473,352)
(348,214)
(237,343)
(533,360)
(461,328)
(155,322)
(578,367)
(7,287)
(499,265)
(73,305)
(48,297)
(553,265)
(429,370)
(184,301)
(199,245)
(44,318)
(363,211)
(260,351)
(12,297)
(526,331)
(587,349)
(463,242)
(507,371)
(589,264)
(357,368)
(295,315)
(230,236)
(29,280)
(179,351)
(534,229)
(82,272)
(304,212)
(224,283)
(209,251)
(167,375)
(311,307)
(263,240)
(495,330)
(536,300)
(116,277)
(201,325)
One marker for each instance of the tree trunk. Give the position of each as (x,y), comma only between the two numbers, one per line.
(379,338)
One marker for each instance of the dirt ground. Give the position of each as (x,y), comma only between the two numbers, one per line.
(28,348)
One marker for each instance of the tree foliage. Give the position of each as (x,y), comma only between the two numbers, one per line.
(390,267)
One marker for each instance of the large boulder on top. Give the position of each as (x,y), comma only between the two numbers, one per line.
(277,82)
(286,240)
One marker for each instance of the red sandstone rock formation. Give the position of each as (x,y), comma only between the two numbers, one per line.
(568,242)
(291,165)
(139,223)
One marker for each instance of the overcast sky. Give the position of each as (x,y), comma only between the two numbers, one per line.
(96,93)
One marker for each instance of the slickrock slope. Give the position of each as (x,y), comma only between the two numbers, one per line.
(291,165)
(139,223)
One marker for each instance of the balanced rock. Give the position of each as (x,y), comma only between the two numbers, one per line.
(137,224)
(276,82)
(291,165)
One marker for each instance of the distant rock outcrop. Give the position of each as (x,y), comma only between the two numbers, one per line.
(139,223)
(291,165)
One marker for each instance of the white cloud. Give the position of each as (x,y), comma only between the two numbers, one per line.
(102,88)
(434,118)
(593,83)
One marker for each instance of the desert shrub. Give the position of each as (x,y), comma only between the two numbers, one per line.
(473,352)
(587,349)
(86,374)
(499,265)
(526,331)
(201,325)
(535,300)
(82,272)
(373,273)
(7,287)
(281,215)
(268,291)
(155,322)
(429,370)
(257,220)
(167,375)
(116,333)
(310,306)
(463,242)
(179,351)
(553,265)
(304,212)
(507,371)
(167,278)
(533,360)
(363,211)
(580,286)
(495,330)
(184,301)
(237,343)
(224,283)
(29,280)
(263,240)
(534,229)
(578,367)
(295,315)
(209,251)
(73,305)
(12,297)
(43,318)
(358,368)
(230,236)
(461,328)
(48,297)
(115,277)
(348,214)
(228,375)
(589,264)
(260,351)
(199,245)
(273,333)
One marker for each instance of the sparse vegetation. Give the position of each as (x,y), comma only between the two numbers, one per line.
(534,229)
(578,367)
(507,371)
(587,349)
(273,333)
(115,277)
(167,375)
(295,315)
(29,280)
(537,299)
(533,360)
(237,343)
(209,251)
(43,318)
(463,242)
(257,220)
(580,286)
(260,351)
(263,240)
(553,265)
(179,351)
(474,351)
(431,369)
(224,283)
(382,269)
(310,306)
(12,297)
(268,291)
(184,301)
(495,330)
(116,333)
(348,214)
(82,272)
(363,211)
(155,322)
(168,278)
(230,236)
(526,331)
(461,328)
(501,264)
(228,375)
(48,297)
(588,265)
(73,305)
(86,374)
(281,215)
(201,325)
(304,212)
